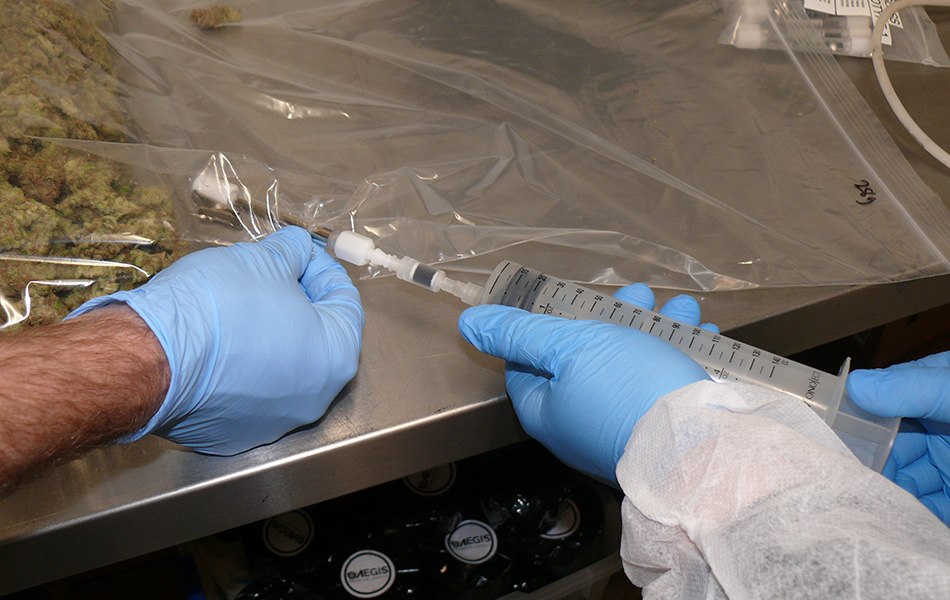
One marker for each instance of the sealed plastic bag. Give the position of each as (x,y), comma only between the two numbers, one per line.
(72,225)
(601,141)
(604,142)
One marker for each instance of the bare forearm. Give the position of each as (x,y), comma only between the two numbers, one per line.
(74,385)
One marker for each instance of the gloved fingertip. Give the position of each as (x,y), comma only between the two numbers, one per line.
(906,483)
(859,379)
(292,243)
(473,322)
(476,315)
(909,446)
(465,323)
(637,293)
(938,504)
(710,327)
(890,468)
(862,386)
(940,360)
(682,308)
(320,260)
(347,304)
(291,234)
(921,478)
(324,276)
(527,391)
(511,333)
(903,390)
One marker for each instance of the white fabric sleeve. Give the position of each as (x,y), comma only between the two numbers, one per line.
(734,491)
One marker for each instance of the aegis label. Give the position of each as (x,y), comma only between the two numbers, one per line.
(367,574)
(472,542)
(288,534)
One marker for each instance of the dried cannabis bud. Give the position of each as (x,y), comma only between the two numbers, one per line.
(213,17)
(58,206)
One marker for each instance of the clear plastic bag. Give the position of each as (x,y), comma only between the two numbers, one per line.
(72,225)
(912,37)
(605,142)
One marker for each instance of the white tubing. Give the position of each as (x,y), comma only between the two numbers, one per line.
(877,58)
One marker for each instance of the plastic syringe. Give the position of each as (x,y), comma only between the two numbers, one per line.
(869,437)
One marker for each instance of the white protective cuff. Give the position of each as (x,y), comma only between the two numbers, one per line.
(740,492)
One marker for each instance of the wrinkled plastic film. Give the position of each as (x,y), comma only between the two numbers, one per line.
(72,225)
(606,143)
(72,280)
(614,143)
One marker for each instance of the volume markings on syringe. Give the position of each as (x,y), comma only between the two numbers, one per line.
(515,285)
(675,326)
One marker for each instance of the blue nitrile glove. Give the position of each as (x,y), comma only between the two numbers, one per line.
(260,337)
(579,387)
(920,389)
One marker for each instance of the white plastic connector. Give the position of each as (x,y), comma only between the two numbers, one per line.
(406,268)
(360,250)
(469,293)
(352,247)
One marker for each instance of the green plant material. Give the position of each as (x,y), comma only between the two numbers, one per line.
(216,16)
(58,82)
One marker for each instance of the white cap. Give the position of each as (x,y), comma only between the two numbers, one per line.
(353,247)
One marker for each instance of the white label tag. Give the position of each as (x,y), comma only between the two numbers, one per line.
(472,542)
(288,534)
(858,8)
(878,6)
(367,574)
(841,8)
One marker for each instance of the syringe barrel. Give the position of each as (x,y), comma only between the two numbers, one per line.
(512,284)
(724,359)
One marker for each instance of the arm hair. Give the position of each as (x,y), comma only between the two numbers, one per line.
(71,386)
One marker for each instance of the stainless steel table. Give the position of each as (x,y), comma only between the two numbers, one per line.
(422,398)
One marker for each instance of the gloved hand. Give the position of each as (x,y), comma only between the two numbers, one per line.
(579,387)
(920,459)
(260,337)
